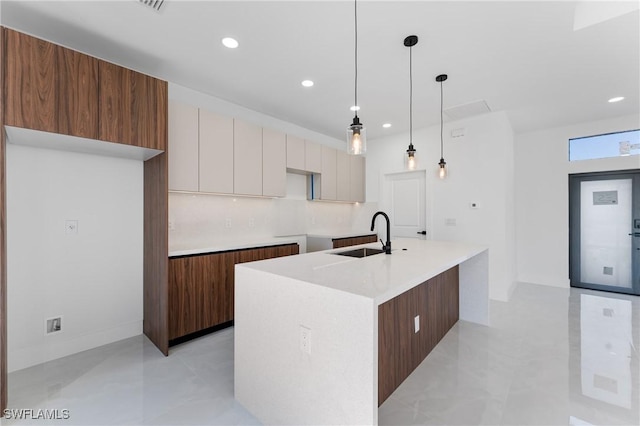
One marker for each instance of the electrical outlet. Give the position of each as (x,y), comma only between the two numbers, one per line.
(416,324)
(305,339)
(450,221)
(252,223)
(53,325)
(227,223)
(172,225)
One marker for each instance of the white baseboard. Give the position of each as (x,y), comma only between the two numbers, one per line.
(544,280)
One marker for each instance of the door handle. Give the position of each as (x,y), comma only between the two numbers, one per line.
(635,234)
(422,232)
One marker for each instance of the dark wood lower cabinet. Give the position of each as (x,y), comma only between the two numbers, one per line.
(201,287)
(400,348)
(354,241)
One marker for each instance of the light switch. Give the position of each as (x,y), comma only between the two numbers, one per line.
(305,339)
(71,227)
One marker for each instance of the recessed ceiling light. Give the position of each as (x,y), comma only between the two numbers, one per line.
(355,108)
(307,83)
(386,125)
(616,99)
(229,42)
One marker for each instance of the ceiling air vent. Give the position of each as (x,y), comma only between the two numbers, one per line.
(466,110)
(154,4)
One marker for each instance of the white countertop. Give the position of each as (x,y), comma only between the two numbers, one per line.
(380,277)
(227,245)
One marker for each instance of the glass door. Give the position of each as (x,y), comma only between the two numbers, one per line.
(604,231)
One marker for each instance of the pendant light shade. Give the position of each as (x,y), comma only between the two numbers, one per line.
(357,137)
(442,171)
(356,133)
(412,161)
(411,158)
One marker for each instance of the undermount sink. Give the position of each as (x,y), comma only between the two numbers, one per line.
(361,252)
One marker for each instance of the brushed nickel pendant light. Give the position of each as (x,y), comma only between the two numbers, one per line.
(442,173)
(411,164)
(356,132)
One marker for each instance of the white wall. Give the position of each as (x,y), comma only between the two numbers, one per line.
(94,278)
(481,168)
(542,195)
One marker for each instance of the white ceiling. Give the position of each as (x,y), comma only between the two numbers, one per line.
(521,57)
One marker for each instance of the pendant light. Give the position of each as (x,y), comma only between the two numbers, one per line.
(356,133)
(443,164)
(409,42)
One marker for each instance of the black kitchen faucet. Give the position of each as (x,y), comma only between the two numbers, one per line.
(386,247)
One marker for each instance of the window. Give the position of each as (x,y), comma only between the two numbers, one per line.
(618,144)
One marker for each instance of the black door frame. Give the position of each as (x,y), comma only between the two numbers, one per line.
(574,228)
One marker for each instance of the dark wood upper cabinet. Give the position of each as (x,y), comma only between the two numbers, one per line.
(133,107)
(55,89)
(151,111)
(30,82)
(77,85)
(115,103)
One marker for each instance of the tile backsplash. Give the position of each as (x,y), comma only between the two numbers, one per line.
(197,219)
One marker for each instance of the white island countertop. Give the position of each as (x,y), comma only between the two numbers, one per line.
(380,277)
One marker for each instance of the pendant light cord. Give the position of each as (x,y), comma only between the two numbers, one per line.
(441,123)
(410,97)
(355,14)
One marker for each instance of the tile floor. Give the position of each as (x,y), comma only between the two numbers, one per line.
(551,357)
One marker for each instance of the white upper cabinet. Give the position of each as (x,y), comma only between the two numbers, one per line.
(357,180)
(303,155)
(328,174)
(343,176)
(295,153)
(183,147)
(312,157)
(247,158)
(216,153)
(274,163)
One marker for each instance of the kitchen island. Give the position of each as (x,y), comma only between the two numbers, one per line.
(314,332)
